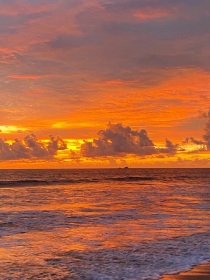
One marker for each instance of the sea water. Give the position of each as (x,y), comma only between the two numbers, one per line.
(103,224)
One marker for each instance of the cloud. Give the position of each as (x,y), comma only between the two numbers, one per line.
(206,115)
(194,141)
(24,77)
(6,152)
(17,150)
(20,150)
(31,148)
(56,144)
(118,140)
(192,6)
(56,55)
(37,148)
(7,23)
(170,147)
(206,136)
(69,41)
(154,12)
(148,15)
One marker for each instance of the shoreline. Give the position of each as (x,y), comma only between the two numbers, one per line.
(198,272)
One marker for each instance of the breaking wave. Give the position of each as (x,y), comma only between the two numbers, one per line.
(11,183)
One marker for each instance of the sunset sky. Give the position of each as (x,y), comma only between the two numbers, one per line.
(104,83)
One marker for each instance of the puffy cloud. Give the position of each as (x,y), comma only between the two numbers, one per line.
(194,141)
(170,147)
(31,147)
(37,148)
(206,136)
(118,140)
(186,141)
(56,144)
(6,152)
(197,142)
(20,150)
(17,150)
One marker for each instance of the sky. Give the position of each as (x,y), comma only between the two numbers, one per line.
(104,83)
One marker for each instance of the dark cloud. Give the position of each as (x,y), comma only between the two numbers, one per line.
(167,30)
(205,115)
(71,41)
(170,147)
(118,46)
(206,136)
(31,148)
(194,141)
(109,44)
(12,23)
(118,140)
(37,148)
(25,18)
(40,2)
(20,150)
(8,24)
(134,4)
(17,150)
(6,152)
(170,61)
(56,144)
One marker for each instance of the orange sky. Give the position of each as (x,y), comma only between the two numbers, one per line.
(72,68)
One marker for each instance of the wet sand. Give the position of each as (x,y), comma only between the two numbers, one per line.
(201,272)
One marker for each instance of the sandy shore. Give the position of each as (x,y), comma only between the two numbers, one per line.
(201,272)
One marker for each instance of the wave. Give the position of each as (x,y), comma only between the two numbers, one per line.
(35,182)
(42,182)
(148,260)
(131,179)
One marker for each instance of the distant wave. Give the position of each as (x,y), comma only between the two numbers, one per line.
(42,182)
(131,179)
(34,182)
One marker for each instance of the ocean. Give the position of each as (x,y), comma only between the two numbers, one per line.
(103,224)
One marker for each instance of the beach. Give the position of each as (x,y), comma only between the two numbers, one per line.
(200,272)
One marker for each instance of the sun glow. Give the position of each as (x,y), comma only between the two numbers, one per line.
(11,129)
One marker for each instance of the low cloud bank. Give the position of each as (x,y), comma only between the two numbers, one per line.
(118,140)
(31,147)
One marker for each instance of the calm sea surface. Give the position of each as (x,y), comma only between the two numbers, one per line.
(103,224)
